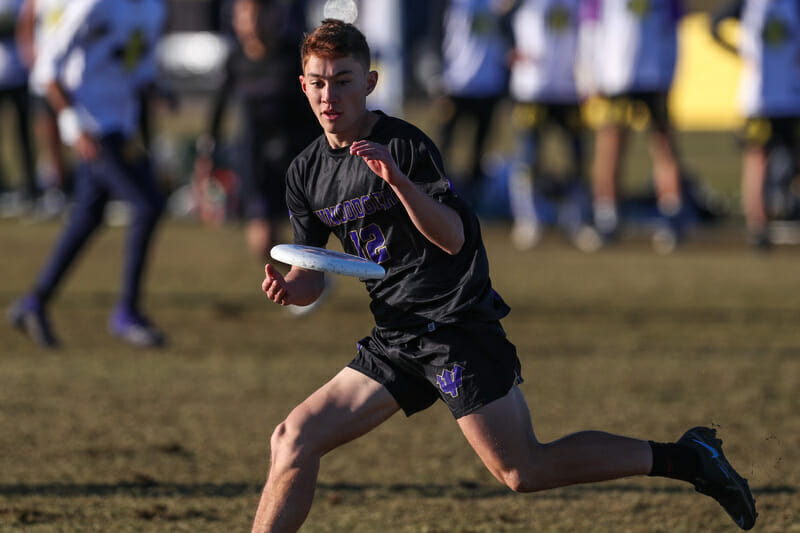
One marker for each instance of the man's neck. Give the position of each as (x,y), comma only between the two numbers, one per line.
(365,126)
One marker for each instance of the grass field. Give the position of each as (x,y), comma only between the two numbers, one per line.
(102,437)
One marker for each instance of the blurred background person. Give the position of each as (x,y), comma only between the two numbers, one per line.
(275,123)
(36,26)
(546,100)
(382,21)
(769,45)
(473,39)
(14,91)
(635,52)
(94,64)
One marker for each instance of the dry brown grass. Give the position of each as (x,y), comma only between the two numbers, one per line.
(100,437)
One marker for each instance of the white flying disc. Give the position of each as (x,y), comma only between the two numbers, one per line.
(344,10)
(324,260)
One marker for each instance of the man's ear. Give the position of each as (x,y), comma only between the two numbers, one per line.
(372,81)
(302,83)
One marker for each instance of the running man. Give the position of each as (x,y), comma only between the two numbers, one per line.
(377,183)
(96,63)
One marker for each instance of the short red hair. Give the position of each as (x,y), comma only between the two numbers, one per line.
(334,39)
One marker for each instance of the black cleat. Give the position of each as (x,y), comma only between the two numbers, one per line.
(718,479)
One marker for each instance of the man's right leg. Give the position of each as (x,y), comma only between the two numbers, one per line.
(501,433)
(85,217)
(29,312)
(526,231)
(754,174)
(609,145)
(348,406)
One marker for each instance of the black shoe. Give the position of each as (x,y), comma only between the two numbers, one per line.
(759,240)
(718,479)
(27,314)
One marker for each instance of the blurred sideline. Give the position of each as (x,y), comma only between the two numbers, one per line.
(704,93)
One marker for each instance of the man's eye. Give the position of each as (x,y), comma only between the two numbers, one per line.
(342,82)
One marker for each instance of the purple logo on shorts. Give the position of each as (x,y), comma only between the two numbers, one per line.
(450,381)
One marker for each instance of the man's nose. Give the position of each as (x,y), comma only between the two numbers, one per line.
(329,93)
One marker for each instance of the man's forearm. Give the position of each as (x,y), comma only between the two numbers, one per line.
(305,286)
(439,223)
(57,97)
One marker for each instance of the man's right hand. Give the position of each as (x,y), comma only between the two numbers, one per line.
(274,285)
(298,287)
(86,147)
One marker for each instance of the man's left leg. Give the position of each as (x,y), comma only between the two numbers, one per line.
(350,405)
(502,435)
(131,178)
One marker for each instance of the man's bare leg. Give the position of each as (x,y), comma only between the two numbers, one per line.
(348,406)
(502,435)
(754,173)
(609,146)
(666,172)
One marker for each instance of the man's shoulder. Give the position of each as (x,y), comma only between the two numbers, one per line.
(403,136)
(390,127)
(312,150)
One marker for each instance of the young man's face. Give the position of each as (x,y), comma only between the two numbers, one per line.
(337,91)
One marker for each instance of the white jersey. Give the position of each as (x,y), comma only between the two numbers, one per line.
(12,71)
(101,54)
(546,40)
(473,49)
(770,47)
(635,45)
(47,17)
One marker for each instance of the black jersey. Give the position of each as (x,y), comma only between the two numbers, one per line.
(331,191)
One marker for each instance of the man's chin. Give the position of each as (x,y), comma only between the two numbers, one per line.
(332,127)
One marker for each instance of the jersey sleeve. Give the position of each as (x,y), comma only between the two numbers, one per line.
(72,25)
(420,160)
(307,228)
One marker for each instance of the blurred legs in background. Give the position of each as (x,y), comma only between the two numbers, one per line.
(27,190)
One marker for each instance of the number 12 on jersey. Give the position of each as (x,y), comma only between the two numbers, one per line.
(370,243)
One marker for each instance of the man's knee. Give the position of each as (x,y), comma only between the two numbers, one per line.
(519,480)
(290,443)
(532,476)
(281,441)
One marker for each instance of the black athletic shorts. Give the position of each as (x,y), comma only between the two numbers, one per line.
(639,107)
(769,132)
(468,365)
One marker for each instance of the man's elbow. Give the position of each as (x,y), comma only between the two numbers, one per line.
(455,244)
